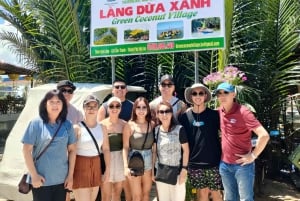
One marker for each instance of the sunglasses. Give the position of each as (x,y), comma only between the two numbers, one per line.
(119,86)
(169,85)
(199,93)
(164,111)
(114,106)
(141,107)
(69,91)
(91,107)
(221,93)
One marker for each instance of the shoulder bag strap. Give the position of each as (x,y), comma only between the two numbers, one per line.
(40,154)
(95,142)
(146,136)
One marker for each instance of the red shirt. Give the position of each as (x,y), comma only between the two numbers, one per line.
(236,127)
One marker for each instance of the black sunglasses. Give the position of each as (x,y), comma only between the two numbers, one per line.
(69,91)
(119,86)
(114,106)
(221,93)
(201,93)
(169,85)
(164,111)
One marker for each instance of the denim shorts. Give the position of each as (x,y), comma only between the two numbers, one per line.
(147,155)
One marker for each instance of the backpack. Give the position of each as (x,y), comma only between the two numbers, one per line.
(136,164)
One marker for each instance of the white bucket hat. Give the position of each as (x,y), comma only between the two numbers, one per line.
(188,92)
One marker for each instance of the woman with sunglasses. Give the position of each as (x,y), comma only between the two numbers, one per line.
(52,173)
(171,149)
(87,172)
(202,126)
(112,188)
(138,136)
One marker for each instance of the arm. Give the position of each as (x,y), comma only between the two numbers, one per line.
(106,153)
(37,180)
(126,136)
(262,140)
(185,159)
(72,158)
(101,114)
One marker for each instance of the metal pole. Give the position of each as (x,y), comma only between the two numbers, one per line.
(196,59)
(113,69)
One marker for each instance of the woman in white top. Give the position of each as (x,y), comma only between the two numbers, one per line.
(87,172)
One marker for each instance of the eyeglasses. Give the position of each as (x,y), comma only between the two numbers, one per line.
(114,106)
(164,111)
(222,93)
(201,93)
(52,103)
(69,91)
(141,107)
(91,107)
(169,85)
(120,86)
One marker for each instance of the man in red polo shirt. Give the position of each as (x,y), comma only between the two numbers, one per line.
(237,167)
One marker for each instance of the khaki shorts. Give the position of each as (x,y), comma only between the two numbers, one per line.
(87,172)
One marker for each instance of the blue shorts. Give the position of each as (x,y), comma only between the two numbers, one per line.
(147,155)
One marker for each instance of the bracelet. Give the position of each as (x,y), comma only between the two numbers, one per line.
(253,155)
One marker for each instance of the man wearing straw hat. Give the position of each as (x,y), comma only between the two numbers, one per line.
(202,125)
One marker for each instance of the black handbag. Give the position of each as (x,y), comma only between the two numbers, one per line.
(166,173)
(136,160)
(23,186)
(101,155)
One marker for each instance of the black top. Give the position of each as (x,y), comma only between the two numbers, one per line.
(203,138)
(126,110)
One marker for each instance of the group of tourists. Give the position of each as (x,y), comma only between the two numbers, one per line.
(62,147)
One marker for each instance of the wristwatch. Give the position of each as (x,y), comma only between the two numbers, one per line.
(184,167)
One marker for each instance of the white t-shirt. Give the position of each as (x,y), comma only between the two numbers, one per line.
(85,143)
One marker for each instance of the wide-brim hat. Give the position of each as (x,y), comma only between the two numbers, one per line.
(188,92)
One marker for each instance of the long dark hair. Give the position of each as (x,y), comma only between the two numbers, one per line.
(136,102)
(173,122)
(43,106)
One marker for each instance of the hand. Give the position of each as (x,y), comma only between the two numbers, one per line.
(127,172)
(37,181)
(182,176)
(245,159)
(69,182)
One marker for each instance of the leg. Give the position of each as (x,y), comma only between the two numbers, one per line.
(94,193)
(202,194)
(106,190)
(163,191)
(245,179)
(116,191)
(178,191)
(147,185)
(127,191)
(227,172)
(216,195)
(136,188)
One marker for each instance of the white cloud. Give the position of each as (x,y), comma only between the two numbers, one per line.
(5,54)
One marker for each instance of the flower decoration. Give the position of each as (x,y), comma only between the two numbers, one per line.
(230,74)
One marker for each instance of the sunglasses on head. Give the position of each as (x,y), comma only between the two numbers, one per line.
(164,111)
(69,91)
(141,107)
(119,86)
(221,93)
(114,106)
(201,93)
(169,85)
